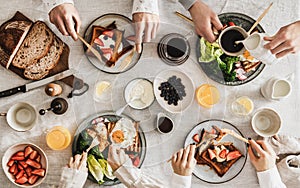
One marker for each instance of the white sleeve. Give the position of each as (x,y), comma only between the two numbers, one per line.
(50,4)
(149,6)
(187,4)
(71,178)
(133,177)
(270,179)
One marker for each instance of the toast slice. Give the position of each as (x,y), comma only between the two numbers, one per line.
(110,43)
(220,167)
(41,67)
(12,35)
(36,45)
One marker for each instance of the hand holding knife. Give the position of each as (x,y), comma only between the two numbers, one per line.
(36,84)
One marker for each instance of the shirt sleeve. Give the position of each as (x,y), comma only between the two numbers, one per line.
(71,178)
(50,4)
(270,179)
(133,177)
(149,6)
(187,4)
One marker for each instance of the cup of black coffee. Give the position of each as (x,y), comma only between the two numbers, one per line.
(228,40)
(164,123)
(174,49)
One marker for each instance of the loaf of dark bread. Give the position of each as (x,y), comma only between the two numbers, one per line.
(12,35)
(41,67)
(36,45)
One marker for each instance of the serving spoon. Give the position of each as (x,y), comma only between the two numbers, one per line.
(120,110)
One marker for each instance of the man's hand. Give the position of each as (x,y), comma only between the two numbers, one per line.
(66,18)
(116,157)
(267,156)
(146,26)
(183,162)
(285,41)
(205,20)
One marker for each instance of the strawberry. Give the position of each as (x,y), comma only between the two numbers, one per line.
(10,163)
(38,158)
(33,155)
(233,155)
(222,153)
(99,42)
(196,138)
(32,179)
(231,24)
(23,164)
(213,131)
(20,167)
(17,158)
(28,151)
(136,161)
(13,168)
(33,163)
(108,33)
(131,156)
(107,51)
(21,180)
(28,171)
(20,174)
(19,153)
(211,153)
(39,172)
(16,171)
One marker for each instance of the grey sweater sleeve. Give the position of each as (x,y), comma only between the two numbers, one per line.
(187,4)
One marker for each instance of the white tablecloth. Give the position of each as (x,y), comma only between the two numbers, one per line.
(159,147)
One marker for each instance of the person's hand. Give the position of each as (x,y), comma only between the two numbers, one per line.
(146,26)
(116,157)
(285,41)
(267,156)
(183,162)
(78,162)
(66,18)
(205,20)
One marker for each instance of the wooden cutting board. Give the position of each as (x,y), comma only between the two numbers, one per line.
(61,66)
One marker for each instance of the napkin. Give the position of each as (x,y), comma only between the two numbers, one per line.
(72,178)
(289,167)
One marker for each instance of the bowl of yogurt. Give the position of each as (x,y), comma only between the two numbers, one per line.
(139,93)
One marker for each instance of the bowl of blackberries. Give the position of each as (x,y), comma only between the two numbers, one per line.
(173,90)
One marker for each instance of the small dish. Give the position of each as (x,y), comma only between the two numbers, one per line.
(164,124)
(139,93)
(20,147)
(187,83)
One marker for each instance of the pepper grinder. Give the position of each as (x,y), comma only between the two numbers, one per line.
(58,106)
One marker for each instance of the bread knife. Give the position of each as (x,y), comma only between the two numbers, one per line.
(36,84)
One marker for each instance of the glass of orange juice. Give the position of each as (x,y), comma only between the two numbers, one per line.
(207,95)
(58,138)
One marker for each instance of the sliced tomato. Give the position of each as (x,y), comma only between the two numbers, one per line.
(99,42)
(196,138)
(211,153)
(39,172)
(108,33)
(233,155)
(222,153)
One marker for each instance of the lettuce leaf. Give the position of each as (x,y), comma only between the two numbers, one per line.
(209,51)
(95,169)
(107,170)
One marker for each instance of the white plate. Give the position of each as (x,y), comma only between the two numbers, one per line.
(20,147)
(206,173)
(189,90)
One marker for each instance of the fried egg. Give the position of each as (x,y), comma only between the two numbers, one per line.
(123,133)
(246,56)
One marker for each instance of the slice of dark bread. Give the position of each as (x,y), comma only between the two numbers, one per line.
(41,67)
(35,46)
(219,167)
(12,35)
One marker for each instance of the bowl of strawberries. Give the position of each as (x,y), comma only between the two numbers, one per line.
(25,164)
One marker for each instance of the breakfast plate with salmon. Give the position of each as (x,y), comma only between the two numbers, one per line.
(108,129)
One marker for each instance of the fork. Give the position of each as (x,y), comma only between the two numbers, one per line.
(94,143)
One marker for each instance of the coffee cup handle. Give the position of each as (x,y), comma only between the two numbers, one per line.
(3,114)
